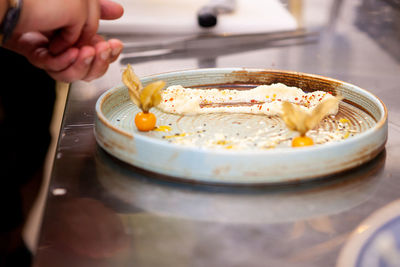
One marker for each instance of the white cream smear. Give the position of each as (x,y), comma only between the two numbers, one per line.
(263,99)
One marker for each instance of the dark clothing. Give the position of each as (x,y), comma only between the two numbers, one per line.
(27,97)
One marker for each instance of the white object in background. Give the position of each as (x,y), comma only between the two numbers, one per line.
(375,241)
(180,17)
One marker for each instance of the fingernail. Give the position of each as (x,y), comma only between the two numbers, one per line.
(105,54)
(89,60)
(116,51)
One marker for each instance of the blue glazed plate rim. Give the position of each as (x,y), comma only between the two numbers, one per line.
(380,220)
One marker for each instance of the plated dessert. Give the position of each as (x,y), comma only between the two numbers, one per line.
(286,105)
(240,141)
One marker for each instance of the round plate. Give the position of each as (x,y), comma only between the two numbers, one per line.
(154,151)
(376,241)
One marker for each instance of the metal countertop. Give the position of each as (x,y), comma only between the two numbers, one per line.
(101,212)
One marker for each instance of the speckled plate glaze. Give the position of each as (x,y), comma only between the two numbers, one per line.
(192,150)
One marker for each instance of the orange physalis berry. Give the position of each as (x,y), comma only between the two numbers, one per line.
(302,141)
(145,121)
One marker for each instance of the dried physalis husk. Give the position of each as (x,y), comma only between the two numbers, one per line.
(150,95)
(297,119)
(131,80)
(145,98)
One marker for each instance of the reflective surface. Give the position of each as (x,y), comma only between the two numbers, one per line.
(101,212)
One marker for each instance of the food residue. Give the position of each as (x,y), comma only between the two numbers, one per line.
(163,128)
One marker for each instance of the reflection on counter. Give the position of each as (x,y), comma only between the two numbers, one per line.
(85,233)
(152,193)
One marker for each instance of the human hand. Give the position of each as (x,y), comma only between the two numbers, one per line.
(76,63)
(66,23)
(60,37)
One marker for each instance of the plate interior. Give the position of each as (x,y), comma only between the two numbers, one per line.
(236,131)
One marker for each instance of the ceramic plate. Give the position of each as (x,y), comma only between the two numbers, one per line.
(191,149)
(376,241)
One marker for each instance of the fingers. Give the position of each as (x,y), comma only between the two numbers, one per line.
(106,53)
(92,23)
(101,62)
(42,58)
(115,45)
(80,30)
(116,48)
(110,10)
(66,25)
(79,69)
(25,44)
(92,62)
(84,63)
(65,38)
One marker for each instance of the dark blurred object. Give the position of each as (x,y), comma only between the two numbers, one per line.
(394,3)
(27,97)
(208,14)
(380,19)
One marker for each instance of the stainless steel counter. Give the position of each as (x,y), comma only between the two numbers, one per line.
(101,212)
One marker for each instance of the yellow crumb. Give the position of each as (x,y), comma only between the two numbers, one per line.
(163,128)
(344,121)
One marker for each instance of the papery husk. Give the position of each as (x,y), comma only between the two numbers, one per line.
(297,119)
(132,81)
(150,95)
(145,98)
